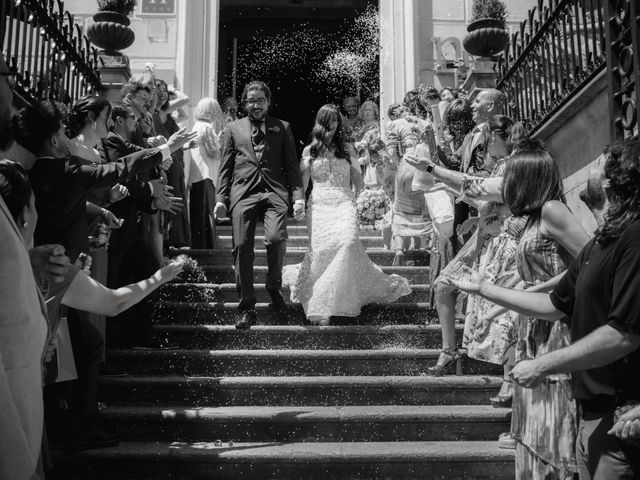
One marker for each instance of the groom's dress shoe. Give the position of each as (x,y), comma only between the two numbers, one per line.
(248,319)
(277,300)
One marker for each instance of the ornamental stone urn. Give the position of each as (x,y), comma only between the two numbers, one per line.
(487,37)
(111,32)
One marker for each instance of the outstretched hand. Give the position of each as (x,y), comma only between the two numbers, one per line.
(470,281)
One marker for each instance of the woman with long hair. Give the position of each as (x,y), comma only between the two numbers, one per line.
(336,277)
(203,171)
(544,419)
(89,124)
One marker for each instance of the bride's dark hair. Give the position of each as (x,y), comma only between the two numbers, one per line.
(321,136)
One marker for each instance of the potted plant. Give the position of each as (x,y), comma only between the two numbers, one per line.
(487,33)
(111,28)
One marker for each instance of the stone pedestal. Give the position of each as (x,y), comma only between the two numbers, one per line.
(114,73)
(481,75)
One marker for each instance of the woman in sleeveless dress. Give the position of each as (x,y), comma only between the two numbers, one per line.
(336,277)
(544,418)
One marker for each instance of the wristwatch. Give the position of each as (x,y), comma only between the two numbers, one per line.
(430,168)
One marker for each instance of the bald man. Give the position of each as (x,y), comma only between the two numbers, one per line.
(486,105)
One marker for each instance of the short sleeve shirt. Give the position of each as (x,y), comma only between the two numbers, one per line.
(602,287)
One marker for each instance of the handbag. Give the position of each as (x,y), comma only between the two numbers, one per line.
(440,204)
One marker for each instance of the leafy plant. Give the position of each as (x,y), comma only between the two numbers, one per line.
(124,7)
(495,9)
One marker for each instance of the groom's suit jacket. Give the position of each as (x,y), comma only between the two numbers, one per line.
(241,172)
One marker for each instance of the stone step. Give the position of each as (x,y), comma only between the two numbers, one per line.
(392,361)
(226,313)
(296,241)
(308,424)
(476,460)
(292,230)
(299,390)
(227,292)
(226,273)
(334,337)
(224,256)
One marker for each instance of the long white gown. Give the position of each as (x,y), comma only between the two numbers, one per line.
(336,277)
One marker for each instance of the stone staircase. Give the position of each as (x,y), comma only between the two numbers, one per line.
(290,401)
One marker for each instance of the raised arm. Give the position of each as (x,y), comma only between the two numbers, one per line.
(533,304)
(86,294)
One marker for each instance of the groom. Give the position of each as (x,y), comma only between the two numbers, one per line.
(258,167)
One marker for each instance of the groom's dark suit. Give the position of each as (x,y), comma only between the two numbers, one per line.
(256,187)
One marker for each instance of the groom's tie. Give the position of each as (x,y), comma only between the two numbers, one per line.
(257,137)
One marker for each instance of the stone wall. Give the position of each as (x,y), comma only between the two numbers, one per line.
(576,136)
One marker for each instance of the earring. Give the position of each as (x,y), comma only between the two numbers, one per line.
(94,126)
(25,224)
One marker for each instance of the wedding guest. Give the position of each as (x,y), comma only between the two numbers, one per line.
(130,258)
(61,183)
(412,100)
(205,163)
(230,109)
(89,122)
(351,123)
(491,217)
(448,95)
(472,155)
(179,231)
(369,146)
(544,419)
(23,331)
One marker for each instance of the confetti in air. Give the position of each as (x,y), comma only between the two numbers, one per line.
(344,63)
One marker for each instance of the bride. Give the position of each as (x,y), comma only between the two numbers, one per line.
(336,277)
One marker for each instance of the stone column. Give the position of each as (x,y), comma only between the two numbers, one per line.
(197,49)
(398,51)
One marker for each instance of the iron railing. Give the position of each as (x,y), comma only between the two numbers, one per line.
(51,55)
(623,71)
(558,49)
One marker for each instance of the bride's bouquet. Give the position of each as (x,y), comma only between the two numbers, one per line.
(372,205)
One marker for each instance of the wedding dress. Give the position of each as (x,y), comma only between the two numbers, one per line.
(336,277)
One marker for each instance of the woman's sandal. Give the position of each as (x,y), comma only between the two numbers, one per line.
(503,400)
(446,358)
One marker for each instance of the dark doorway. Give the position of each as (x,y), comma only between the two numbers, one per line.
(250,29)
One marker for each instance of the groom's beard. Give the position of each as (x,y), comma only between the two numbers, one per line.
(6,133)
(258,115)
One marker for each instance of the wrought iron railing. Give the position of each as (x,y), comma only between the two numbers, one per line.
(51,55)
(623,71)
(558,49)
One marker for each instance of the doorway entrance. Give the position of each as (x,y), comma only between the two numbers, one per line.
(284,43)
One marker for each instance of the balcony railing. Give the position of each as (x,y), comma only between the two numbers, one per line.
(51,55)
(558,49)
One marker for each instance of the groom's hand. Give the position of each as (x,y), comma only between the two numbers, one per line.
(298,209)
(219,211)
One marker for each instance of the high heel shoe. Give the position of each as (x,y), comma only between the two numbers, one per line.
(503,400)
(446,358)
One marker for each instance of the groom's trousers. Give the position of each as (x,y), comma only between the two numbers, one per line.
(273,211)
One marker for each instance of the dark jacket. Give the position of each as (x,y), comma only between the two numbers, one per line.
(60,186)
(112,148)
(241,172)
